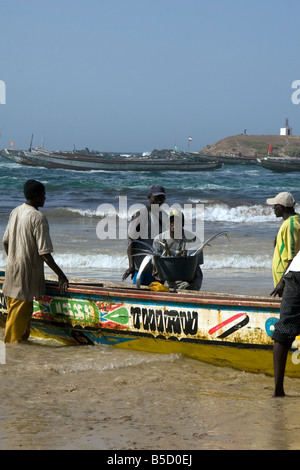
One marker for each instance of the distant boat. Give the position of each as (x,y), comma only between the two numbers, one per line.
(107,162)
(230,159)
(17,156)
(280,164)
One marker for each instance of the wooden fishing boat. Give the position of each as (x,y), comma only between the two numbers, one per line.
(280,165)
(16,156)
(231,159)
(221,329)
(75,161)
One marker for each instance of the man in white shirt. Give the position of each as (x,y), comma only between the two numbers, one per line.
(180,239)
(288,327)
(28,245)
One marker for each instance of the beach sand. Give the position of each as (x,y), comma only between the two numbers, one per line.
(87,398)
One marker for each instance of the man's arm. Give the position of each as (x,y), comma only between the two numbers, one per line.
(134,227)
(5,244)
(62,279)
(280,286)
(131,270)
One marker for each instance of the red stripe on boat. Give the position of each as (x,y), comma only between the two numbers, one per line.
(224,323)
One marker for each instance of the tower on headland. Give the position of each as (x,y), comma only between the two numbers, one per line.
(287,130)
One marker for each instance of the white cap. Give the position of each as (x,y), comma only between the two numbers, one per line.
(175,213)
(284,199)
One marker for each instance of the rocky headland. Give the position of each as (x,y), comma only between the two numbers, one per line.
(256,146)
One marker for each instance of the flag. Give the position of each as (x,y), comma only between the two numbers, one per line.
(11,144)
(190,139)
(270,148)
(175,147)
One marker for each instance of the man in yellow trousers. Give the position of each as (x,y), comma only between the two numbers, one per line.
(28,245)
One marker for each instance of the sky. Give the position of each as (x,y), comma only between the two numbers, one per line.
(138,75)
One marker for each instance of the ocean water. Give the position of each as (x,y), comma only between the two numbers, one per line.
(233,198)
(66,397)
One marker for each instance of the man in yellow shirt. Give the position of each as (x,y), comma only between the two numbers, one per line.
(287,242)
(286,281)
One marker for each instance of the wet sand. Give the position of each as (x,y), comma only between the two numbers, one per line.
(88,398)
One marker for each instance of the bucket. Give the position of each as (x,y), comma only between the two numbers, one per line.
(176,268)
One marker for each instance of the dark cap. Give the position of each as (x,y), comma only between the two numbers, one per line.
(157,190)
(33,188)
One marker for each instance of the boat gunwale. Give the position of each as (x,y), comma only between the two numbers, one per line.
(182,297)
(114,289)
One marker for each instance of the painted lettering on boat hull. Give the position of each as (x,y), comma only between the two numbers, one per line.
(170,321)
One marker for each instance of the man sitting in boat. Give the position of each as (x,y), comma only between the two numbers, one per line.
(144,225)
(172,245)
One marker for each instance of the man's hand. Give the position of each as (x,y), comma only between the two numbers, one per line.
(63,284)
(278,289)
(128,272)
(62,279)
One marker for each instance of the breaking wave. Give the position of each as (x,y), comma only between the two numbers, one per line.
(87,261)
(213,212)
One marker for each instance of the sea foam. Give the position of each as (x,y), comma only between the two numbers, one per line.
(213,212)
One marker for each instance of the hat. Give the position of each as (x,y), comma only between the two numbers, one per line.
(33,188)
(284,199)
(157,190)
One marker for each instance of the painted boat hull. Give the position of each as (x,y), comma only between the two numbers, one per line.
(85,163)
(221,329)
(16,156)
